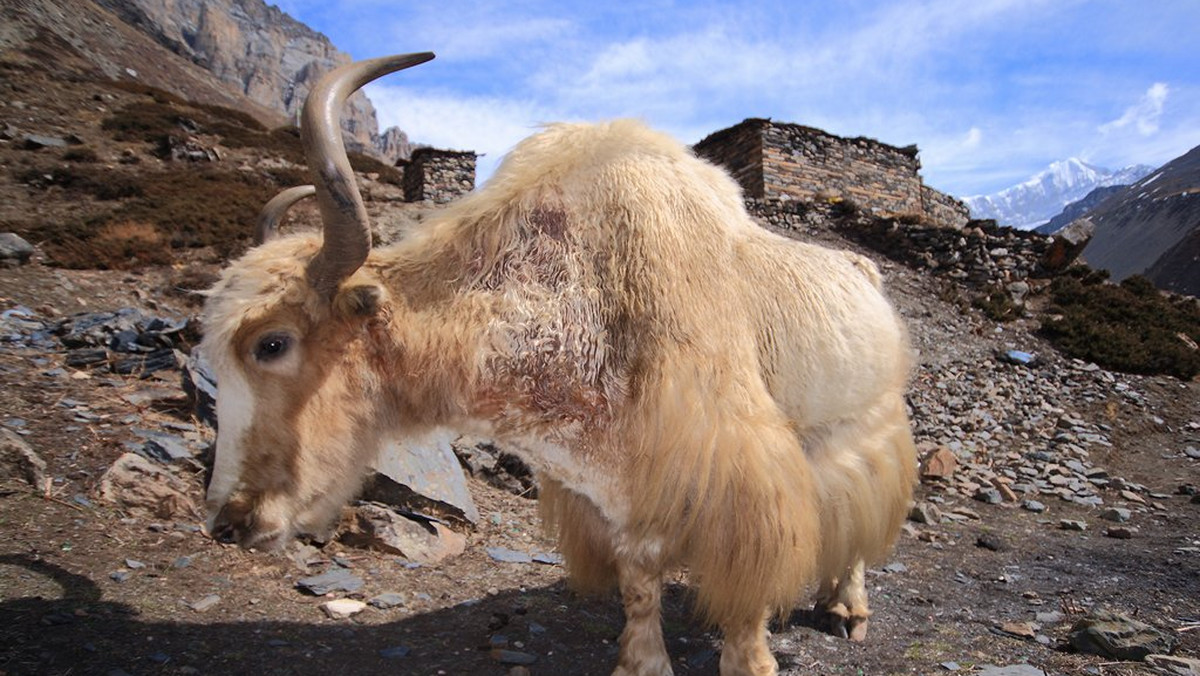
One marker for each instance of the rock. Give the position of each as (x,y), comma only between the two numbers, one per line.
(939,463)
(139,485)
(14,249)
(421,540)
(1071,524)
(422,475)
(206,603)
(1114,635)
(39,141)
(989,495)
(386,600)
(991,542)
(200,385)
(1119,532)
(483,459)
(1018,357)
(513,657)
(1067,244)
(1023,630)
(395,652)
(1116,514)
(163,447)
(334,579)
(340,609)
(1033,506)
(19,461)
(1050,617)
(926,513)
(1174,665)
(1012,670)
(895,567)
(505,555)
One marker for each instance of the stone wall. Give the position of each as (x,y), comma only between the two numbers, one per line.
(438,176)
(775,160)
(980,255)
(739,150)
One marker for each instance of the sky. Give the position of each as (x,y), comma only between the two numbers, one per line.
(991,91)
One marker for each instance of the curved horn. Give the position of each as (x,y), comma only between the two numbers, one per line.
(273,211)
(347,230)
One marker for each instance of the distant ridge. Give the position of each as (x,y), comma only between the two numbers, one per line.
(1077,209)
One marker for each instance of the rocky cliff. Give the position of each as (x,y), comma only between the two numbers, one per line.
(261,52)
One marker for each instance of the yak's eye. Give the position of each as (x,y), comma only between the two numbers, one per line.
(272,346)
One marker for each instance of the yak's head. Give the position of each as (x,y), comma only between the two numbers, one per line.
(293,332)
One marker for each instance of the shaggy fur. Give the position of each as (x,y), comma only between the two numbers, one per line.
(692,389)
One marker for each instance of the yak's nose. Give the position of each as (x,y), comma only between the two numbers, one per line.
(223,532)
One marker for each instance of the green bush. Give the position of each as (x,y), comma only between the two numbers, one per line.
(1129,327)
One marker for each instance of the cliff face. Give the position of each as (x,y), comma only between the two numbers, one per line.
(261,52)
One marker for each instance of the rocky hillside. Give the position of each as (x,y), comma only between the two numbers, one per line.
(261,52)
(1076,210)
(1151,227)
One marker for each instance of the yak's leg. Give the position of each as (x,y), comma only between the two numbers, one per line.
(745,652)
(843,602)
(643,652)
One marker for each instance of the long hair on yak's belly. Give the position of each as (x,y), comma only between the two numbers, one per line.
(719,479)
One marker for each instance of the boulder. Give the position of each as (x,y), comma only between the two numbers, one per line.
(422,475)
(1067,244)
(19,461)
(139,485)
(1114,635)
(14,249)
(416,539)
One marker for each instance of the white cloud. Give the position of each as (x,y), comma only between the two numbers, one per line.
(1145,114)
(487,126)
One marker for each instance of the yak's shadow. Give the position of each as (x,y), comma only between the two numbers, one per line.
(81,633)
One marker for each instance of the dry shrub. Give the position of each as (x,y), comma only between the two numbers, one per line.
(98,182)
(120,245)
(147,121)
(997,304)
(83,155)
(365,164)
(132,87)
(205,207)
(1131,326)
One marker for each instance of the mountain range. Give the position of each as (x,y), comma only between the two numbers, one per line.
(1029,204)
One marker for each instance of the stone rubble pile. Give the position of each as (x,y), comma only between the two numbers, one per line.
(1005,433)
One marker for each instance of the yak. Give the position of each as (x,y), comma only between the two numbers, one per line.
(693,391)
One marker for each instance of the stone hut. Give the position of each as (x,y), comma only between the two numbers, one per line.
(784,161)
(438,175)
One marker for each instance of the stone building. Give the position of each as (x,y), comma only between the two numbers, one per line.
(439,176)
(782,161)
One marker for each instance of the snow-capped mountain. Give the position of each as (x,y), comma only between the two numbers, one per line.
(1032,203)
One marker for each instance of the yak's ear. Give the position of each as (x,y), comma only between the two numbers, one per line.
(359,300)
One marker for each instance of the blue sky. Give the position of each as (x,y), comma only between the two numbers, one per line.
(992,91)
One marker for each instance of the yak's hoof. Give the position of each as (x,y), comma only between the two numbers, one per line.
(842,624)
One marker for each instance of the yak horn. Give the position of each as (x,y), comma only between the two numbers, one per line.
(273,211)
(347,229)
